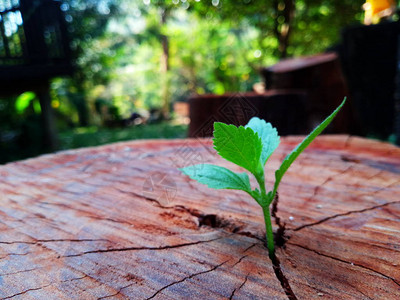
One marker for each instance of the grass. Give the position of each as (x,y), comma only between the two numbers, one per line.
(30,145)
(93,136)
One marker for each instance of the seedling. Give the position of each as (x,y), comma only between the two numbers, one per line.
(250,147)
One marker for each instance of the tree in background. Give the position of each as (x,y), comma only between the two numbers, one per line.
(141,55)
(93,50)
(146,54)
(317,24)
(282,24)
(162,11)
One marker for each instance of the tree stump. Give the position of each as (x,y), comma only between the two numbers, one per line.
(283,108)
(320,77)
(121,222)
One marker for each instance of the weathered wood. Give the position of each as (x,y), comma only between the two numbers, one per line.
(283,108)
(89,224)
(50,140)
(320,77)
(369,56)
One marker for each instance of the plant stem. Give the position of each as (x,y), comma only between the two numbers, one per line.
(265,202)
(269,234)
(261,182)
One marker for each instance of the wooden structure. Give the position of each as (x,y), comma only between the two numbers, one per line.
(320,77)
(284,109)
(34,48)
(370,57)
(121,222)
(300,94)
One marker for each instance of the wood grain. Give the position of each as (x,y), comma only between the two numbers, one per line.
(121,222)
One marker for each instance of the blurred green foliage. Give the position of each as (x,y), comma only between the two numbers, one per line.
(213,47)
(93,135)
(20,127)
(25,100)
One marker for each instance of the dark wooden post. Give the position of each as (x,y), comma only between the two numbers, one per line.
(369,58)
(50,140)
(33,28)
(397,96)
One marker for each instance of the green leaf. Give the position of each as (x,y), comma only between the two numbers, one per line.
(23,101)
(268,134)
(218,177)
(300,148)
(239,145)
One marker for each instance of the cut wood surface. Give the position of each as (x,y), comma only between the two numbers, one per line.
(121,222)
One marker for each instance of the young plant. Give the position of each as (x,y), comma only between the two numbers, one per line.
(250,147)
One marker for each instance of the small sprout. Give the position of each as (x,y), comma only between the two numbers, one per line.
(250,148)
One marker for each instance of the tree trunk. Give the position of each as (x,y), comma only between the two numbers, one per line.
(285,10)
(78,98)
(50,141)
(166,103)
(122,222)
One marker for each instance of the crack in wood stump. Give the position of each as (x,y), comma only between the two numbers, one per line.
(210,220)
(158,204)
(14,254)
(344,214)
(240,286)
(279,236)
(330,178)
(53,241)
(276,264)
(22,271)
(347,262)
(42,287)
(186,278)
(117,293)
(207,271)
(280,240)
(214,221)
(143,248)
(26,291)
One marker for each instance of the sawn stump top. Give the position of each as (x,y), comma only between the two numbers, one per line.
(121,222)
